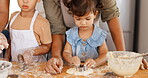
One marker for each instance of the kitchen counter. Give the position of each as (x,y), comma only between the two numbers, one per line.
(36,70)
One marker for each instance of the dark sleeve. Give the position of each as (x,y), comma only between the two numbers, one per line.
(108,9)
(54,16)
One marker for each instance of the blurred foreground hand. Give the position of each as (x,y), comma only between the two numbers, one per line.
(3,42)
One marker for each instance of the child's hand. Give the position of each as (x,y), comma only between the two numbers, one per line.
(90,63)
(76,61)
(28,54)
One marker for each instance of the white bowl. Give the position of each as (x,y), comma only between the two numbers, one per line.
(121,66)
(4,72)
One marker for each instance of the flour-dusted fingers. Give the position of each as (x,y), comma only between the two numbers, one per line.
(55,67)
(49,68)
(28,55)
(60,63)
(55,64)
(145,63)
(87,63)
(76,60)
(90,63)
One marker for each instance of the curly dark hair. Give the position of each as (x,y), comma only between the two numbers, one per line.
(81,7)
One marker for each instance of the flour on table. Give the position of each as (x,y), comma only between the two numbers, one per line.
(33,71)
(75,72)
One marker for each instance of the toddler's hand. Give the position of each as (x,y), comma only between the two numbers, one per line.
(90,63)
(28,54)
(76,61)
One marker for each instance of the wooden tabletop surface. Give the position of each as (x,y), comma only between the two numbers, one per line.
(36,70)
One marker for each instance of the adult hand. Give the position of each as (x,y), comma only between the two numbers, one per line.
(54,66)
(3,42)
(90,63)
(144,64)
(28,55)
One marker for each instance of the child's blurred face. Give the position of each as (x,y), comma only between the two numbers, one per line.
(86,21)
(27,5)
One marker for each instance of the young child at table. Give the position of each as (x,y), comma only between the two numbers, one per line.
(86,41)
(29,32)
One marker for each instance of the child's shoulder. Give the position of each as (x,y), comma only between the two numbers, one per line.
(13,14)
(41,20)
(72,30)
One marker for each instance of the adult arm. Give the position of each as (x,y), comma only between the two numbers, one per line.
(110,14)
(57,45)
(54,15)
(4,13)
(55,64)
(117,33)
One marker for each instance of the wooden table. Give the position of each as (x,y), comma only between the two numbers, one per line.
(36,70)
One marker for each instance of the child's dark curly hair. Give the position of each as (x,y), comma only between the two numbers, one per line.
(81,7)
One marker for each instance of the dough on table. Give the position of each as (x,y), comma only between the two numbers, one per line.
(75,72)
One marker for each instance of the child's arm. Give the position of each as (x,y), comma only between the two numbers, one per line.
(40,50)
(67,54)
(101,59)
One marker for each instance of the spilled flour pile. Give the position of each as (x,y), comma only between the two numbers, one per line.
(34,71)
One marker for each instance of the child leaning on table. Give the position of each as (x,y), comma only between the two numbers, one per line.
(86,41)
(29,32)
